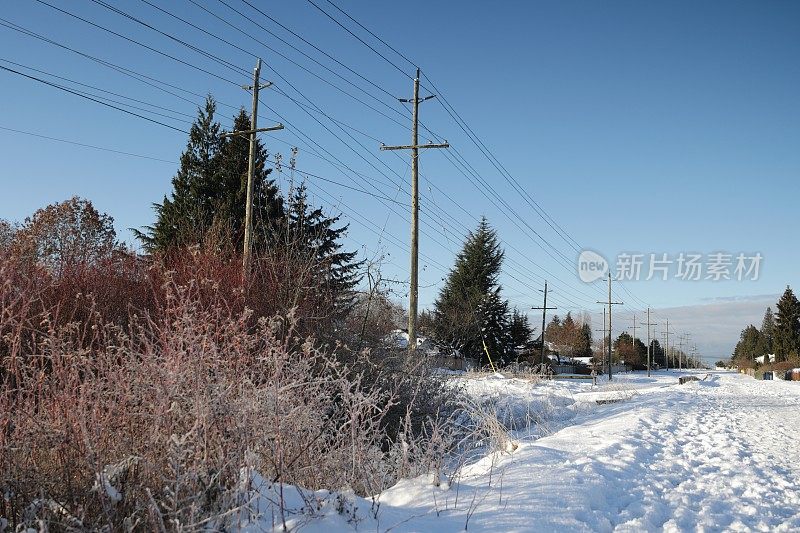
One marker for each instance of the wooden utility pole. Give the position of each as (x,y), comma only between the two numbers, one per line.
(610,303)
(414,147)
(648,341)
(251,166)
(544,309)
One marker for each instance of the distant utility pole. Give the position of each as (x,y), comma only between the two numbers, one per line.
(251,165)
(633,340)
(544,309)
(667,333)
(610,303)
(684,337)
(648,341)
(414,147)
(603,350)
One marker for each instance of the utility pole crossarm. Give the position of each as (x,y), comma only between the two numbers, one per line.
(419,100)
(279,126)
(261,86)
(415,147)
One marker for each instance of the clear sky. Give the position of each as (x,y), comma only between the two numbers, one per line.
(639,127)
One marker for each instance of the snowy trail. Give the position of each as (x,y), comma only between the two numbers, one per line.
(717,455)
(722,459)
(707,456)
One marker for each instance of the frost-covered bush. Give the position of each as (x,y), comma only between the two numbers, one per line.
(147,423)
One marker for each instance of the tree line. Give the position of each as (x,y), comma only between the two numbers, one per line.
(778,338)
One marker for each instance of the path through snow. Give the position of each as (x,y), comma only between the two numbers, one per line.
(717,455)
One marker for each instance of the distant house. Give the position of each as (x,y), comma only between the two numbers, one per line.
(440,355)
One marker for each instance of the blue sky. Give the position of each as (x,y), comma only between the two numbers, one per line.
(641,127)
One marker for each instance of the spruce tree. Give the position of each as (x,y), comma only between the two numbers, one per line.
(786,335)
(584,346)
(312,239)
(768,329)
(469,310)
(268,205)
(751,344)
(520,331)
(207,204)
(185,217)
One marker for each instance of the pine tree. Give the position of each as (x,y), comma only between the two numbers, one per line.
(469,310)
(786,335)
(751,344)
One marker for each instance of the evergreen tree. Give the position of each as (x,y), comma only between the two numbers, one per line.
(786,335)
(520,331)
(184,218)
(312,239)
(768,329)
(268,205)
(751,344)
(584,346)
(207,204)
(554,330)
(469,310)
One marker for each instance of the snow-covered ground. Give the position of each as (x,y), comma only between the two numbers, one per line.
(721,454)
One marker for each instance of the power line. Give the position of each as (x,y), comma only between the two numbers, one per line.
(390,47)
(317,108)
(134,41)
(326,115)
(312,45)
(354,35)
(456,117)
(76,93)
(279,53)
(467,130)
(84,145)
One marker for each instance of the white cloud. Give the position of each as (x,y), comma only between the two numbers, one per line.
(715,326)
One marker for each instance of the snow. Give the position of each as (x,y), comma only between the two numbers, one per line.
(720,454)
